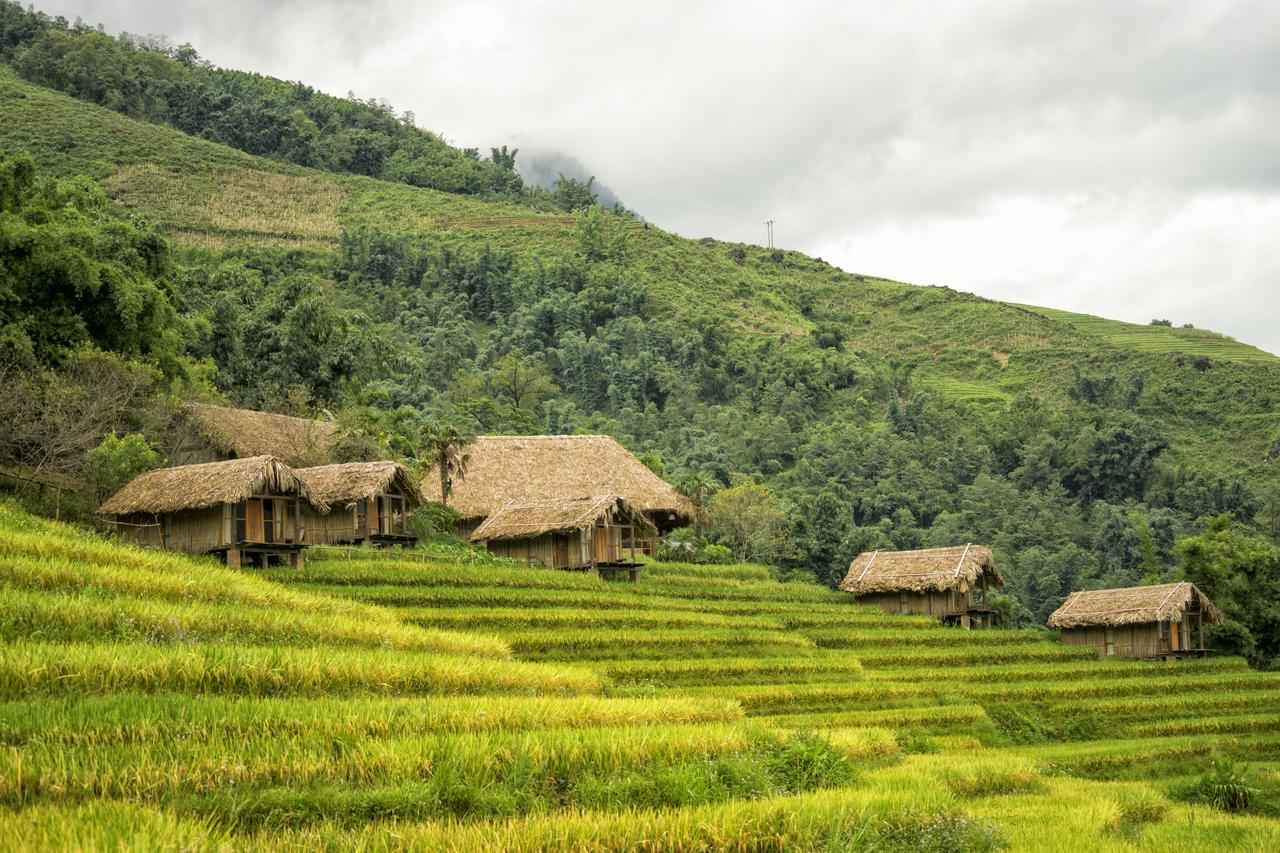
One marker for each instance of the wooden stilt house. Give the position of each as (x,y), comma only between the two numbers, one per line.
(567,533)
(367,502)
(949,583)
(523,468)
(1164,620)
(208,433)
(248,510)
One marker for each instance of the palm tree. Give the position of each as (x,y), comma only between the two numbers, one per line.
(697,486)
(441,445)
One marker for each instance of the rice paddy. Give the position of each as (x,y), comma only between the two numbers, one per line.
(157,701)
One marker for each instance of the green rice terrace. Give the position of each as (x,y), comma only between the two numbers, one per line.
(393,701)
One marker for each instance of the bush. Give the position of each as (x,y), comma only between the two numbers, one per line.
(116,461)
(1229,637)
(806,762)
(1222,786)
(1135,808)
(715,554)
(936,834)
(433,520)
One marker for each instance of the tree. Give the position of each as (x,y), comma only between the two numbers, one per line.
(523,380)
(116,461)
(1240,571)
(440,445)
(697,486)
(749,519)
(571,194)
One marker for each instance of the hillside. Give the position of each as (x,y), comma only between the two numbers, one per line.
(167,701)
(210,196)
(870,413)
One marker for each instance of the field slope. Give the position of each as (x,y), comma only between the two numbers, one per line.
(208,197)
(384,700)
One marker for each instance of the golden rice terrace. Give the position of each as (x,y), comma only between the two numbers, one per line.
(382,700)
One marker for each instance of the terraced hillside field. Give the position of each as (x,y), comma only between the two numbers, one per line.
(162,702)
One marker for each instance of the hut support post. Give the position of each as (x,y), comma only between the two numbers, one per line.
(1200,629)
(233,558)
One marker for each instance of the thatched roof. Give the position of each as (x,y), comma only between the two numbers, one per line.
(345,483)
(526,519)
(502,468)
(1132,605)
(209,484)
(936,569)
(244,432)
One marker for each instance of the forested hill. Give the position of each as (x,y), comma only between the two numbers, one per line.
(829,412)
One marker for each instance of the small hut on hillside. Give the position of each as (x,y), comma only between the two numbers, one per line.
(211,433)
(367,502)
(1139,622)
(949,583)
(567,533)
(521,468)
(246,509)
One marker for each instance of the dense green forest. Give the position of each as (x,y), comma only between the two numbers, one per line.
(384,279)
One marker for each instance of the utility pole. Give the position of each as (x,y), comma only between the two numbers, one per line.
(769,225)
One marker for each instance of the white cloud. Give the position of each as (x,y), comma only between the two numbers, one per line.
(1117,157)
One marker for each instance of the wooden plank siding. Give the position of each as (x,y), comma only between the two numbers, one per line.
(930,603)
(1143,640)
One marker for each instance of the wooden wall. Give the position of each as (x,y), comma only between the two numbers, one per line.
(1135,641)
(194,531)
(553,550)
(931,603)
(336,527)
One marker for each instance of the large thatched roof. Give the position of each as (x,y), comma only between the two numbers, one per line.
(1131,606)
(345,483)
(525,519)
(244,432)
(937,569)
(209,484)
(502,468)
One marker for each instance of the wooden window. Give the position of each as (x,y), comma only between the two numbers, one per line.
(268,520)
(902,601)
(240,521)
(1175,640)
(362,515)
(1164,637)
(1111,642)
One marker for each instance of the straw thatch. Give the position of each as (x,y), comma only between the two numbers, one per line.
(502,468)
(205,485)
(1133,605)
(933,569)
(243,433)
(527,519)
(345,483)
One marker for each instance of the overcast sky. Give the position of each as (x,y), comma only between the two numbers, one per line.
(1118,158)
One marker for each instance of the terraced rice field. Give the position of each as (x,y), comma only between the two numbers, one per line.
(1160,339)
(378,703)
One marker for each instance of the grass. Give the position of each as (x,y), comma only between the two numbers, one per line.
(165,701)
(1161,339)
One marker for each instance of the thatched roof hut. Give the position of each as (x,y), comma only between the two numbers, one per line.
(1166,602)
(522,468)
(346,483)
(929,570)
(221,431)
(187,487)
(530,519)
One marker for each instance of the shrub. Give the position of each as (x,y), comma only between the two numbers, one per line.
(1222,786)
(806,762)
(1135,808)
(941,833)
(716,555)
(432,520)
